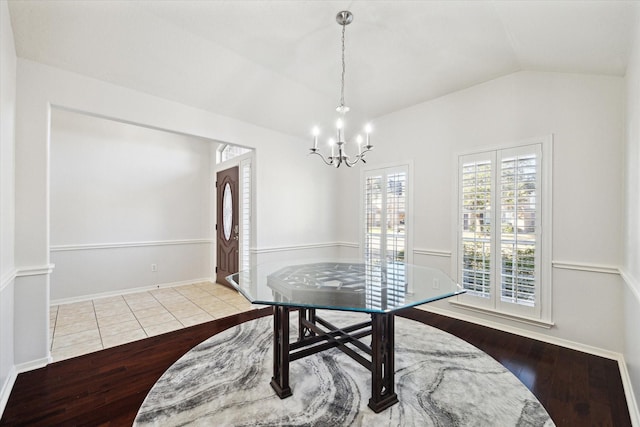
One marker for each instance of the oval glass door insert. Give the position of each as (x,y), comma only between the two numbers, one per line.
(227,211)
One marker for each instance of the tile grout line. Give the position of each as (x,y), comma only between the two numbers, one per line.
(55,324)
(202,308)
(95,315)
(134,313)
(165,307)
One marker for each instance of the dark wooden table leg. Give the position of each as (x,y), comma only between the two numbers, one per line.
(307,314)
(280,380)
(382,368)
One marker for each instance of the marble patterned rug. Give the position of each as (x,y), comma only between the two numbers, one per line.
(441,380)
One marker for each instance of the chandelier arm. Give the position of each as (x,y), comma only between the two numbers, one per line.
(324,159)
(366,150)
(354,162)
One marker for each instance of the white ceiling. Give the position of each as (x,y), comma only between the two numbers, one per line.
(277,63)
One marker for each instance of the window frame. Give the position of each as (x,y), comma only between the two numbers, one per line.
(541,313)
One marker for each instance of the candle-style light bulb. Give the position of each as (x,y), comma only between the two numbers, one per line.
(332,143)
(339,126)
(367,130)
(359,141)
(315,131)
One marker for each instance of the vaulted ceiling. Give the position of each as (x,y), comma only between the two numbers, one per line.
(277,63)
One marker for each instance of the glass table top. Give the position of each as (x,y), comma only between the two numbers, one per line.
(344,284)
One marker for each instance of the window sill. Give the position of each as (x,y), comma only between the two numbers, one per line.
(527,320)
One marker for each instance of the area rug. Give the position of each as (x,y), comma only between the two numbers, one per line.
(441,380)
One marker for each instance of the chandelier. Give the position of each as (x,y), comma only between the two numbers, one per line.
(343,18)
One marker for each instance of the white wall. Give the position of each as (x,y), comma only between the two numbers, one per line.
(7,146)
(585,114)
(124,197)
(283,173)
(631,266)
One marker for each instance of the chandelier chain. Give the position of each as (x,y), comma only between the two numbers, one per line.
(343,68)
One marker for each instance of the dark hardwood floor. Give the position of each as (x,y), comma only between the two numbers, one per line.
(106,388)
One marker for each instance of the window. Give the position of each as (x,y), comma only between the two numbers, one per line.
(229,151)
(385,214)
(503,256)
(385,239)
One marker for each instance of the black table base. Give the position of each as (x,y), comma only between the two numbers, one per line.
(316,334)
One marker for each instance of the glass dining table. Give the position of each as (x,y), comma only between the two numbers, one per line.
(380,288)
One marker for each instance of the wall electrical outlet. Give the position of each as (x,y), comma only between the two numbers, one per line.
(436,283)
(154,267)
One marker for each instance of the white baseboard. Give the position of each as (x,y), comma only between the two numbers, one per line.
(33,364)
(128,291)
(525,333)
(632,403)
(6,388)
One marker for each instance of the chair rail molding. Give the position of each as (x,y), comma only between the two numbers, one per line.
(273,249)
(35,270)
(631,282)
(432,252)
(584,266)
(117,245)
(8,278)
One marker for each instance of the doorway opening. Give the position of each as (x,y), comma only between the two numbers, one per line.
(234,205)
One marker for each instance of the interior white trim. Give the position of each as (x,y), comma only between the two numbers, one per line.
(632,284)
(432,252)
(128,291)
(6,280)
(583,266)
(36,270)
(5,392)
(117,245)
(525,333)
(33,364)
(632,404)
(273,249)
(348,244)
(504,315)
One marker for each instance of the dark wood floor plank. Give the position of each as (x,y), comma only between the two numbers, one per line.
(106,388)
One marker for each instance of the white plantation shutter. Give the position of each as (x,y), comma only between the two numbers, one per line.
(385,210)
(385,232)
(499,257)
(245,211)
(519,225)
(476,184)
(373,213)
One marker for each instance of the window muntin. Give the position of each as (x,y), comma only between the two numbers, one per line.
(230,151)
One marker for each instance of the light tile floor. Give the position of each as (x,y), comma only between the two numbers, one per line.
(87,326)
